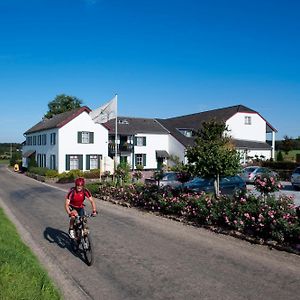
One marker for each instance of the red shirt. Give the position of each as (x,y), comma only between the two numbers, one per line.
(77,197)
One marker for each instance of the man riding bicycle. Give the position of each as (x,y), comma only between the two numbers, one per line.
(74,203)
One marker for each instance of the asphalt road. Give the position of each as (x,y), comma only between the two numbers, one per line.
(142,256)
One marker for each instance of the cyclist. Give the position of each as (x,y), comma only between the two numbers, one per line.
(74,203)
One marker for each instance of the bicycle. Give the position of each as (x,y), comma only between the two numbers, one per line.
(83,238)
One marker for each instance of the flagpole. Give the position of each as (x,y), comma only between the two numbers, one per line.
(116,132)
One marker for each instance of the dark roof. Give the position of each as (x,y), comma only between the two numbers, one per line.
(57,121)
(243,144)
(28,153)
(162,154)
(129,125)
(194,121)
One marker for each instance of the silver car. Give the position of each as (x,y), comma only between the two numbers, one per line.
(295,178)
(249,174)
(169,180)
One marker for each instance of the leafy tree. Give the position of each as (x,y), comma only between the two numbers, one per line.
(62,103)
(213,154)
(287,144)
(279,156)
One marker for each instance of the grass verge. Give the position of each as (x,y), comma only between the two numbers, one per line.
(21,276)
(4,162)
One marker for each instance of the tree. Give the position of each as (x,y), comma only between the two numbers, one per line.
(279,156)
(287,144)
(62,103)
(213,154)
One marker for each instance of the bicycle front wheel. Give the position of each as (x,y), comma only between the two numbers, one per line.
(87,249)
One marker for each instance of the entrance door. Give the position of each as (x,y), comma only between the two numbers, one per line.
(160,162)
(123,159)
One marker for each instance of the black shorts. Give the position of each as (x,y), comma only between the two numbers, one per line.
(80,211)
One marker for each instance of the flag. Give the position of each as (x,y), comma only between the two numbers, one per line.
(105,112)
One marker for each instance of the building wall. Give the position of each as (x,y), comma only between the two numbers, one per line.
(254,132)
(176,149)
(153,142)
(68,143)
(47,149)
(251,153)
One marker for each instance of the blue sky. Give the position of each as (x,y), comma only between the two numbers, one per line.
(163,58)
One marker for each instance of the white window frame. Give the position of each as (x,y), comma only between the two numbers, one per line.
(74,162)
(93,162)
(85,137)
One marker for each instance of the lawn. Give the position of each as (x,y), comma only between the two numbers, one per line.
(21,275)
(4,161)
(291,156)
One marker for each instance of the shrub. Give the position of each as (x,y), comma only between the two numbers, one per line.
(279,156)
(93,188)
(267,184)
(95,173)
(38,170)
(123,173)
(51,173)
(267,217)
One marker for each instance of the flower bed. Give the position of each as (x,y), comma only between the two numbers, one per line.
(264,217)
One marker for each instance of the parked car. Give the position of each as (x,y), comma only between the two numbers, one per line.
(228,185)
(295,178)
(249,174)
(169,180)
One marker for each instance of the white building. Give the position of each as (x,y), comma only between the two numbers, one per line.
(247,128)
(73,141)
(140,141)
(67,141)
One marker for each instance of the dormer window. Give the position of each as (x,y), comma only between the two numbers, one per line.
(188,132)
(123,121)
(247,120)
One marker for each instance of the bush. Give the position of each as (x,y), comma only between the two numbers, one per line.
(279,156)
(38,170)
(267,184)
(93,188)
(51,173)
(265,217)
(95,173)
(123,173)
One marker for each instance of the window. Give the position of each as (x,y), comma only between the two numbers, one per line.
(29,140)
(41,160)
(140,159)
(52,162)
(140,141)
(34,140)
(124,122)
(93,161)
(74,162)
(85,137)
(186,132)
(247,120)
(44,139)
(53,138)
(39,140)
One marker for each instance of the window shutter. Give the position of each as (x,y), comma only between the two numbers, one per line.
(88,157)
(91,137)
(144,141)
(135,141)
(79,137)
(135,159)
(67,162)
(144,160)
(80,157)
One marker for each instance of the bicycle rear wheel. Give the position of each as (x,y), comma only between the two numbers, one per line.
(87,247)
